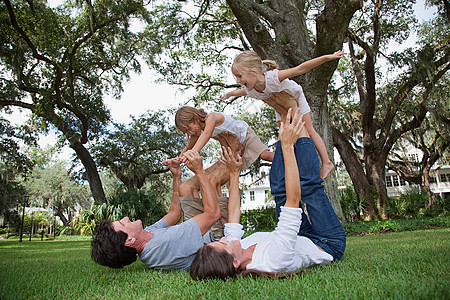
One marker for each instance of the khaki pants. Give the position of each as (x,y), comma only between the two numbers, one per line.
(191,207)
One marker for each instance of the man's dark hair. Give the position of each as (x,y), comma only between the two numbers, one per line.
(108,247)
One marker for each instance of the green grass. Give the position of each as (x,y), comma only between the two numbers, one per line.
(399,265)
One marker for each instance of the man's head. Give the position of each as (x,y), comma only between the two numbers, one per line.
(109,247)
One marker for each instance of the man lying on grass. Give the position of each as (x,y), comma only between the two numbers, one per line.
(163,245)
(298,241)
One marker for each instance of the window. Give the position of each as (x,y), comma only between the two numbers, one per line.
(388,181)
(266,193)
(444,177)
(402,181)
(395,180)
(252,195)
(432,179)
(413,157)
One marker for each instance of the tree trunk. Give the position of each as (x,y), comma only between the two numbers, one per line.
(92,175)
(426,186)
(356,171)
(59,213)
(379,182)
(321,120)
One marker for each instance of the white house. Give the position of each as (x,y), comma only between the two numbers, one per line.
(439,183)
(254,193)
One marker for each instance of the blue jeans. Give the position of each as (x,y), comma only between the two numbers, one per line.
(324,230)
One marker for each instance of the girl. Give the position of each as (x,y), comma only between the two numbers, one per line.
(296,242)
(201,126)
(262,78)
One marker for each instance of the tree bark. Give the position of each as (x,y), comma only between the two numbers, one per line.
(356,171)
(59,213)
(92,175)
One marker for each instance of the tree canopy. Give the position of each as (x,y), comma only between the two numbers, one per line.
(59,62)
(54,187)
(135,152)
(15,164)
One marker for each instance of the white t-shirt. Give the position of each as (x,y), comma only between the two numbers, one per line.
(273,85)
(281,250)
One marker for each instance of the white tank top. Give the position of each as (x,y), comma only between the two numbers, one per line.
(238,127)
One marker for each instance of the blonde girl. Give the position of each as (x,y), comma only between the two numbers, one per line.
(262,78)
(201,126)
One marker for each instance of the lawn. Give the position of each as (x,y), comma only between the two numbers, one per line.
(399,265)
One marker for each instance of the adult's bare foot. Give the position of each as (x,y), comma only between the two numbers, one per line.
(281,102)
(228,139)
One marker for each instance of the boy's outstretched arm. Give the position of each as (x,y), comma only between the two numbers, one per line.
(233,161)
(174,214)
(211,209)
(308,65)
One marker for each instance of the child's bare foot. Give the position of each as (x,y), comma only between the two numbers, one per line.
(326,169)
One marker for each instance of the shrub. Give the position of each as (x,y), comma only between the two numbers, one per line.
(139,204)
(135,204)
(390,225)
(384,226)
(350,204)
(262,219)
(415,204)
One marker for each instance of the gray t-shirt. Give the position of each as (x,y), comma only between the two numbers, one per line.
(174,247)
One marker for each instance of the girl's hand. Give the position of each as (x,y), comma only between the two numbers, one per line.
(232,160)
(337,54)
(225,97)
(235,93)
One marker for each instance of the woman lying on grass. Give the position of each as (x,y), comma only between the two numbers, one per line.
(297,242)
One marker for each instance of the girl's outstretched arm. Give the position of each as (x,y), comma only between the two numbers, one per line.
(212,120)
(191,143)
(235,93)
(308,65)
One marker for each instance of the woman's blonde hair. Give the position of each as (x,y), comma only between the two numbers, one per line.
(187,114)
(247,60)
